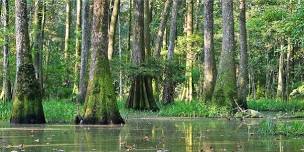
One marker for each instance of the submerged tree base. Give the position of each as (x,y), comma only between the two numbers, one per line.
(141,95)
(27,102)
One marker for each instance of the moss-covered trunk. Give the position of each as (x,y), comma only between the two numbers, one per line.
(27,102)
(225,89)
(27,105)
(100,106)
(243,74)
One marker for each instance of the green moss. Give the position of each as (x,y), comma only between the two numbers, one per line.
(27,106)
(225,90)
(100,106)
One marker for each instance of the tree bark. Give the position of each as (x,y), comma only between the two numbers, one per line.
(100,106)
(226,89)
(243,73)
(67,40)
(6,94)
(161,28)
(190,54)
(85,47)
(159,43)
(147,31)
(281,76)
(112,29)
(169,85)
(209,59)
(147,35)
(288,60)
(140,94)
(38,40)
(130,25)
(77,48)
(0,7)
(27,102)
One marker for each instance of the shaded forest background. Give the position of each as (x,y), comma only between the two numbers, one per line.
(275,32)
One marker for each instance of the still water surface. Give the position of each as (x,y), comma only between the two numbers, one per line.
(155,135)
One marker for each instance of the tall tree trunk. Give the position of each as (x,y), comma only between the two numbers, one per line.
(85,47)
(100,106)
(27,102)
(198,10)
(243,74)
(159,43)
(130,25)
(38,40)
(67,41)
(6,94)
(0,7)
(147,31)
(209,59)
(190,54)
(169,85)
(225,88)
(140,94)
(112,29)
(288,60)
(147,36)
(77,48)
(121,88)
(161,29)
(281,76)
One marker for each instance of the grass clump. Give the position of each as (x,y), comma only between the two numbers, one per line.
(269,127)
(55,111)
(5,110)
(64,111)
(60,111)
(276,105)
(193,109)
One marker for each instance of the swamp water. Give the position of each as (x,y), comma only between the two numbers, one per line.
(145,135)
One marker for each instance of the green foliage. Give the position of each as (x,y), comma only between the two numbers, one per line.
(260,92)
(5,110)
(276,105)
(269,127)
(193,109)
(196,40)
(60,111)
(65,111)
